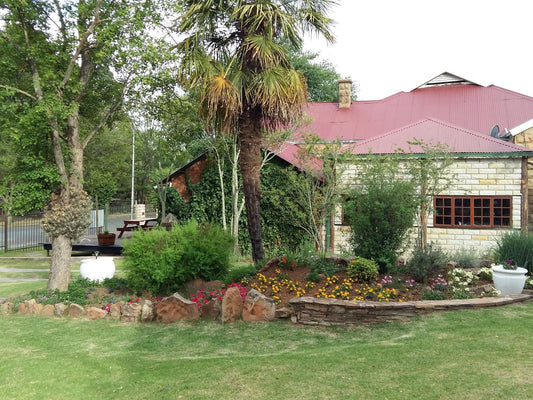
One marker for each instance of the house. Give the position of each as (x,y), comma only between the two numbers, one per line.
(489,128)
(488,193)
(476,122)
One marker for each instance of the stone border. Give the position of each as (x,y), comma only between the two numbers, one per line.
(313,311)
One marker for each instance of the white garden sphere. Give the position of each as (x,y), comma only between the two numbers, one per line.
(97,269)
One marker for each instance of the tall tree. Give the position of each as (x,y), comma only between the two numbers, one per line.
(232,52)
(78,59)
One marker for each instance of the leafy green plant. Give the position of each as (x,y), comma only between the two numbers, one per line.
(363,270)
(515,246)
(465,259)
(162,261)
(425,262)
(381,212)
(431,294)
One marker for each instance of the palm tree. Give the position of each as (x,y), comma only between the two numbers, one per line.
(232,53)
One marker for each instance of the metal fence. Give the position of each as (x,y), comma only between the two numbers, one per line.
(26,233)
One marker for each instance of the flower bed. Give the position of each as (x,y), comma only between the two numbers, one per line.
(283,280)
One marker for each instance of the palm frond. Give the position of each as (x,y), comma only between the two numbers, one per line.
(220,104)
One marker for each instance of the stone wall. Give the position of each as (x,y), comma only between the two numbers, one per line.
(312,311)
(472,177)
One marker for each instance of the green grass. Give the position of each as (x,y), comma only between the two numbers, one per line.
(11,289)
(483,353)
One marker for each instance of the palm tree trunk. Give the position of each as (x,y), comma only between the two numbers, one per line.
(250,163)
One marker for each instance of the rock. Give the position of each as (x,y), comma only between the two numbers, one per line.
(258,307)
(96,313)
(6,308)
(231,305)
(60,309)
(174,308)
(47,311)
(37,309)
(114,310)
(22,308)
(75,311)
(147,313)
(284,312)
(130,312)
(2,300)
(30,306)
(212,310)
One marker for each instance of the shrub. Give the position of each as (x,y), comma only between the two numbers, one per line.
(380,213)
(515,246)
(465,259)
(426,262)
(162,262)
(363,270)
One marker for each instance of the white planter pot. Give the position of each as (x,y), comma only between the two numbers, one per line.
(509,281)
(97,269)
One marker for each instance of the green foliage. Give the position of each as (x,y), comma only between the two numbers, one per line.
(162,261)
(515,246)
(236,273)
(361,269)
(425,262)
(77,293)
(279,213)
(430,294)
(380,212)
(465,259)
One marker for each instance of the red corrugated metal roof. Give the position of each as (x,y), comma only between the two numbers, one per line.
(459,140)
(472,107)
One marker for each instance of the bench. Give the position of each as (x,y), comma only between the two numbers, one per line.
(89,248)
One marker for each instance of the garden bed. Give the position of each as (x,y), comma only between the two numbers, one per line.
(283,281)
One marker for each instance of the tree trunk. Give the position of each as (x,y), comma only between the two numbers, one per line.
(60,266)
(250,163)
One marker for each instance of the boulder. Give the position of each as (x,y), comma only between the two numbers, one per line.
(147,313)
(6,308)
(75,311)
(30,306)
(47,311)
(174,308)
(22,308)
(60,309)
(284,312)
(114,310)
(96,313)
(231,305)
(212,309)
(130,312)
(258,307)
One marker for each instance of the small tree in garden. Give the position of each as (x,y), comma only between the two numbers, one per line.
(428,172)
(315,189)
(380,211)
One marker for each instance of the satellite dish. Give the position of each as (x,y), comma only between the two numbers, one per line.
(495,131)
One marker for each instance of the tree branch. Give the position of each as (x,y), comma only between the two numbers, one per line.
(81,44)
(19,91)
(105,118)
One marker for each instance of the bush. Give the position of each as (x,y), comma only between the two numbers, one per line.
(380,213)
(515,246)
(162,262)
(363,270)
(426,262)
(465,259)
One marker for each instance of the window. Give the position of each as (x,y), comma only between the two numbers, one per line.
(472,211)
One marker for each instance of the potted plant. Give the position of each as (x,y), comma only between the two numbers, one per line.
(106,239)
(509,278)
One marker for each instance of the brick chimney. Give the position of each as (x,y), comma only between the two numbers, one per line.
(345,93)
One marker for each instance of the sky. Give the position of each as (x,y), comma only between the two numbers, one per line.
(388,46)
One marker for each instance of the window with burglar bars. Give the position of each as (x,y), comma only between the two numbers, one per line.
(473,211)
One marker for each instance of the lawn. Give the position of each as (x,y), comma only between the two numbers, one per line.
(470,354)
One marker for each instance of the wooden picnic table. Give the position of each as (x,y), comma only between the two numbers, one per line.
(131,224)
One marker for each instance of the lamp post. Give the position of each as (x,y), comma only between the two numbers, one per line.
(132,174)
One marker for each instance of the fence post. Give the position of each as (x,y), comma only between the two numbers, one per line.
(5,231)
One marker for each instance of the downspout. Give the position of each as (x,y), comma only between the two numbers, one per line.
(525,197)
